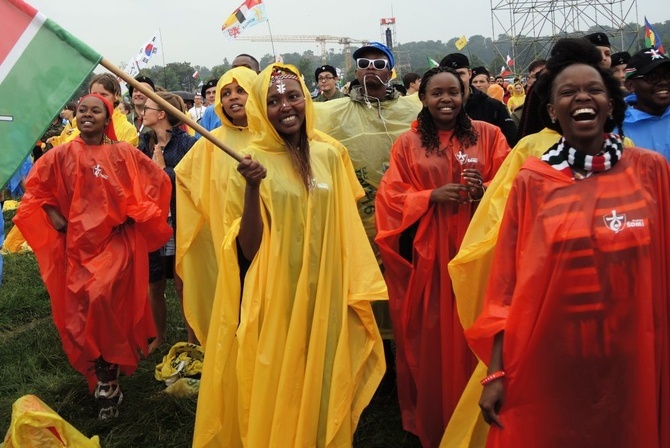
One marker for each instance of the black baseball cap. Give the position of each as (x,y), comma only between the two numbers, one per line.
(141,78)
(455,61)
(480,71)
(620,58)
(325,68)
(208,85)
(644,61)
(598,39)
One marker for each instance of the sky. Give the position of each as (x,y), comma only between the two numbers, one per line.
(191,29)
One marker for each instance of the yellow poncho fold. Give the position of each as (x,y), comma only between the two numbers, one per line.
(293,361)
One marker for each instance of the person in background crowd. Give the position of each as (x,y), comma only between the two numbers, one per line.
(602,43)
(411,81)
(202,177)
(166,144)
(480,79)
(327,79)
(478,105)
(210,120)
(198,109)
(367,125)
(619,63)
(534,70)
(647,120)
(138,100)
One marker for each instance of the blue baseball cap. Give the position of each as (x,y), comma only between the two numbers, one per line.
(376,46)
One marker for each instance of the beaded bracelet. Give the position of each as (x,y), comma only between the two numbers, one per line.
(492,377)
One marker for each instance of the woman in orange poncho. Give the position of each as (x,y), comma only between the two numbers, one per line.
(92,211)
(425,202)
(575,327)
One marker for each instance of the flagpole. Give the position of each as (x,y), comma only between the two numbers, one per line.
(162,50)
(169,107)
(274,53)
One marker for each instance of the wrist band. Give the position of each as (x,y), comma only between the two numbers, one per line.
(494,376)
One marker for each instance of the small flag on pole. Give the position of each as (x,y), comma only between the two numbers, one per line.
(432,63)
(195,75)
(250,13)
(509,61)
(651,38)
(144,55)
(64,64)
(461,43)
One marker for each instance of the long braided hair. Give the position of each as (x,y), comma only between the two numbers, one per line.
(464,132)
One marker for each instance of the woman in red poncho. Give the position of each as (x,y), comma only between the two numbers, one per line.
(425,201)
(575,325)
(93,210)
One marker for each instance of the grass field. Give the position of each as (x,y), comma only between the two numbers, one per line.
(32,362)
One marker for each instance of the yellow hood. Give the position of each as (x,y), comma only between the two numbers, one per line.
(245,78)
(265,135)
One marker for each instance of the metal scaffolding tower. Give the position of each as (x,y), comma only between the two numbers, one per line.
(527,29)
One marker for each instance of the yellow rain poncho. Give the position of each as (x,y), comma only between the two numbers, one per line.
(469,272)
(368,131)
(125,131)
(294,359)
(202,176)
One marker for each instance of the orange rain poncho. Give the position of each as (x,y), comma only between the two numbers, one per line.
(97,272)
(292,360)
(579,285)
(433,361)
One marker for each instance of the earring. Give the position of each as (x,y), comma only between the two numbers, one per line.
(553,120)
(611,117)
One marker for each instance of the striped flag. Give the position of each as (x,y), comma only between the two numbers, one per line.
(196,74)
(509,61)
(250,13)
(651,38)
(41,67)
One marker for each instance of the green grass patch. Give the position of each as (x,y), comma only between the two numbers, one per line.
(32,361)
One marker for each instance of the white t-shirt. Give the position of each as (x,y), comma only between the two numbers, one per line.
(196,113)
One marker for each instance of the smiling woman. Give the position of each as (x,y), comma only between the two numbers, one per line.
(293,353)
(92,209)
(574,316)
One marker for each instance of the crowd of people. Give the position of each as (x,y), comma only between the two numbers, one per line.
(505,247)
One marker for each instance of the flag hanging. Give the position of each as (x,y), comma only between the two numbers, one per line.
(461,43)
(144,55)
(651,38)
(40,64)
(509,61)
(250,13)
(504,71)
(432,63)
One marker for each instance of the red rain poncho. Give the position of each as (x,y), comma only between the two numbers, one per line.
(579,285)
(433,360)
(96,272)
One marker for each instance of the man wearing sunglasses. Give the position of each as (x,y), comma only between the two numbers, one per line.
(647,119)
(367,124)
(478,105)
(327,79)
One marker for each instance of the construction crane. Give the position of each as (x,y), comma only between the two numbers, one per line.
(346,43)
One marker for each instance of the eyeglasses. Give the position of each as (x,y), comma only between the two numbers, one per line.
(378,64)
(325,78)
(654,77)
(153,108)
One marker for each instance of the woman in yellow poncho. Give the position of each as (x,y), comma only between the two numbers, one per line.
(201,190)
(294,354)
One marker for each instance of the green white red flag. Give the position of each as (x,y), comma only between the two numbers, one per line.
(41,67)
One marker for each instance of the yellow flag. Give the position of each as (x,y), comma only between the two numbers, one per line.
(462,42)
